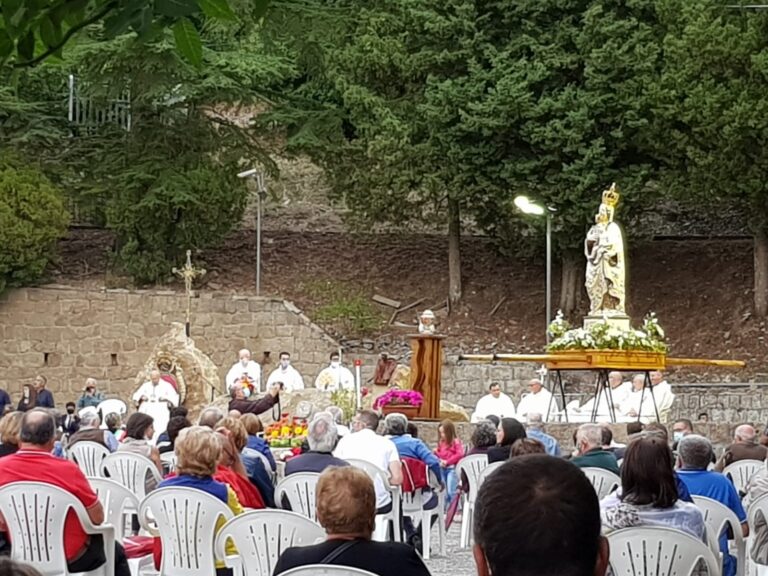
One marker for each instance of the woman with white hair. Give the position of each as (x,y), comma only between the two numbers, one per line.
(322,436)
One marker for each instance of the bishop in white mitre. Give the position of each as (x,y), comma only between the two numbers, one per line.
(155,398)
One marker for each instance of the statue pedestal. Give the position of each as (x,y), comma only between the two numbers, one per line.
(620,321)
(426,372)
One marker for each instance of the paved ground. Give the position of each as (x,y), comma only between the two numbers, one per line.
(457,561)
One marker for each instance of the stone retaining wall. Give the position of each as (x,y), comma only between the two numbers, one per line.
(71,334)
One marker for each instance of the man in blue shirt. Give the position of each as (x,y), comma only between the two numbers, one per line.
(410,447)
(44,396)
(5,400)
(535,430)
(694,453)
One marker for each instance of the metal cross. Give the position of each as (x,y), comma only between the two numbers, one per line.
(189,273)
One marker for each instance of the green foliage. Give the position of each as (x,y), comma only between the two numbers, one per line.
(31,31)
(713,103)
(603,336)
(32,219)
(343,308)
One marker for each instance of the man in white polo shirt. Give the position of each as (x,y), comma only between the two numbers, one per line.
(365,444)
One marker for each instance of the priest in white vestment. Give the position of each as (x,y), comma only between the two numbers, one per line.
(620,392)
(537,401)
(662,393)
(631,406)
(495,403)
(247,368)
(286,374)
(155,398)
(335,377)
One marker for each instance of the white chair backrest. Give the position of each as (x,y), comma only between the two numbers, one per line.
(487,471)
(472,466)
(112,406)
(299,490)
(326,570)
(116,500)
(656,551)
(718,517)
(603,481)
(185,519)
(741,471)
(260,536)
(169,458)
(131,471)
(89,457)
(373,471)
(35,514)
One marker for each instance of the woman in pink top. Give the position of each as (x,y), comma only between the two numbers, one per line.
(449,450)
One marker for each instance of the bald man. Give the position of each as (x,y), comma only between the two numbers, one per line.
(536,401)
(156,398)
(244,369)
(744,447)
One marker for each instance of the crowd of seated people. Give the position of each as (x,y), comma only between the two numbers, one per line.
(533,492)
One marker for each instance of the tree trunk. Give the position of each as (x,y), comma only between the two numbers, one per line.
(571,284)
(454,253)
(761,271)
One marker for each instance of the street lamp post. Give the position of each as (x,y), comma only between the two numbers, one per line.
(261,194)
(525,205)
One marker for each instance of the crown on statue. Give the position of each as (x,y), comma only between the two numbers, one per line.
(611,196)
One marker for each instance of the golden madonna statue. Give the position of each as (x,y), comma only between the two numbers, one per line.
(606,272)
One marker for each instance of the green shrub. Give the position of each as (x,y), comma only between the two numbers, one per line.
(32,219)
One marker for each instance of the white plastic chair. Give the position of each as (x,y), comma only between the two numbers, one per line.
(169,458)
(260,536)
(412,504)
(757,518)
(35,513)
(117,501)
(326,570)
(391,518)
(718,517)
(185,519)
(603,481)
(487,471)
(111,406)
(471,466)
(741,471)
(656,551)
(89,457)
(299,490)
(131,471)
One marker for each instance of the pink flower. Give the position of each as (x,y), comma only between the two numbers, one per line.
(407,397)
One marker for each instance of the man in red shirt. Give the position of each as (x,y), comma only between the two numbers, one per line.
(34,463)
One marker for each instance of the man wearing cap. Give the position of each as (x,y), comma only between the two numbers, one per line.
(90,396)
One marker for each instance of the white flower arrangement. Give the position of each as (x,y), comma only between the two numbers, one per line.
(604,336)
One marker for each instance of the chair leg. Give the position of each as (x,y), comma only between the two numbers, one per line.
(426,533)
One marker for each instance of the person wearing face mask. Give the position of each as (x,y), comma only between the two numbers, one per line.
(245,371)
(335,377)
(286,375)
(680,429)
(70,422)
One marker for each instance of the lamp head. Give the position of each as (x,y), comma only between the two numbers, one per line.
(525,205)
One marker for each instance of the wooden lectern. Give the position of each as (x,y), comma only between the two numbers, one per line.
(426,372)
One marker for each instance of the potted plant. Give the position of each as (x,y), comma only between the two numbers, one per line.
(406,402)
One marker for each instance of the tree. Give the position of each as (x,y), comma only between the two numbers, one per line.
(382,115)
(713,100)
(31,31)
(564,104)
(32,219)
(453,108)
